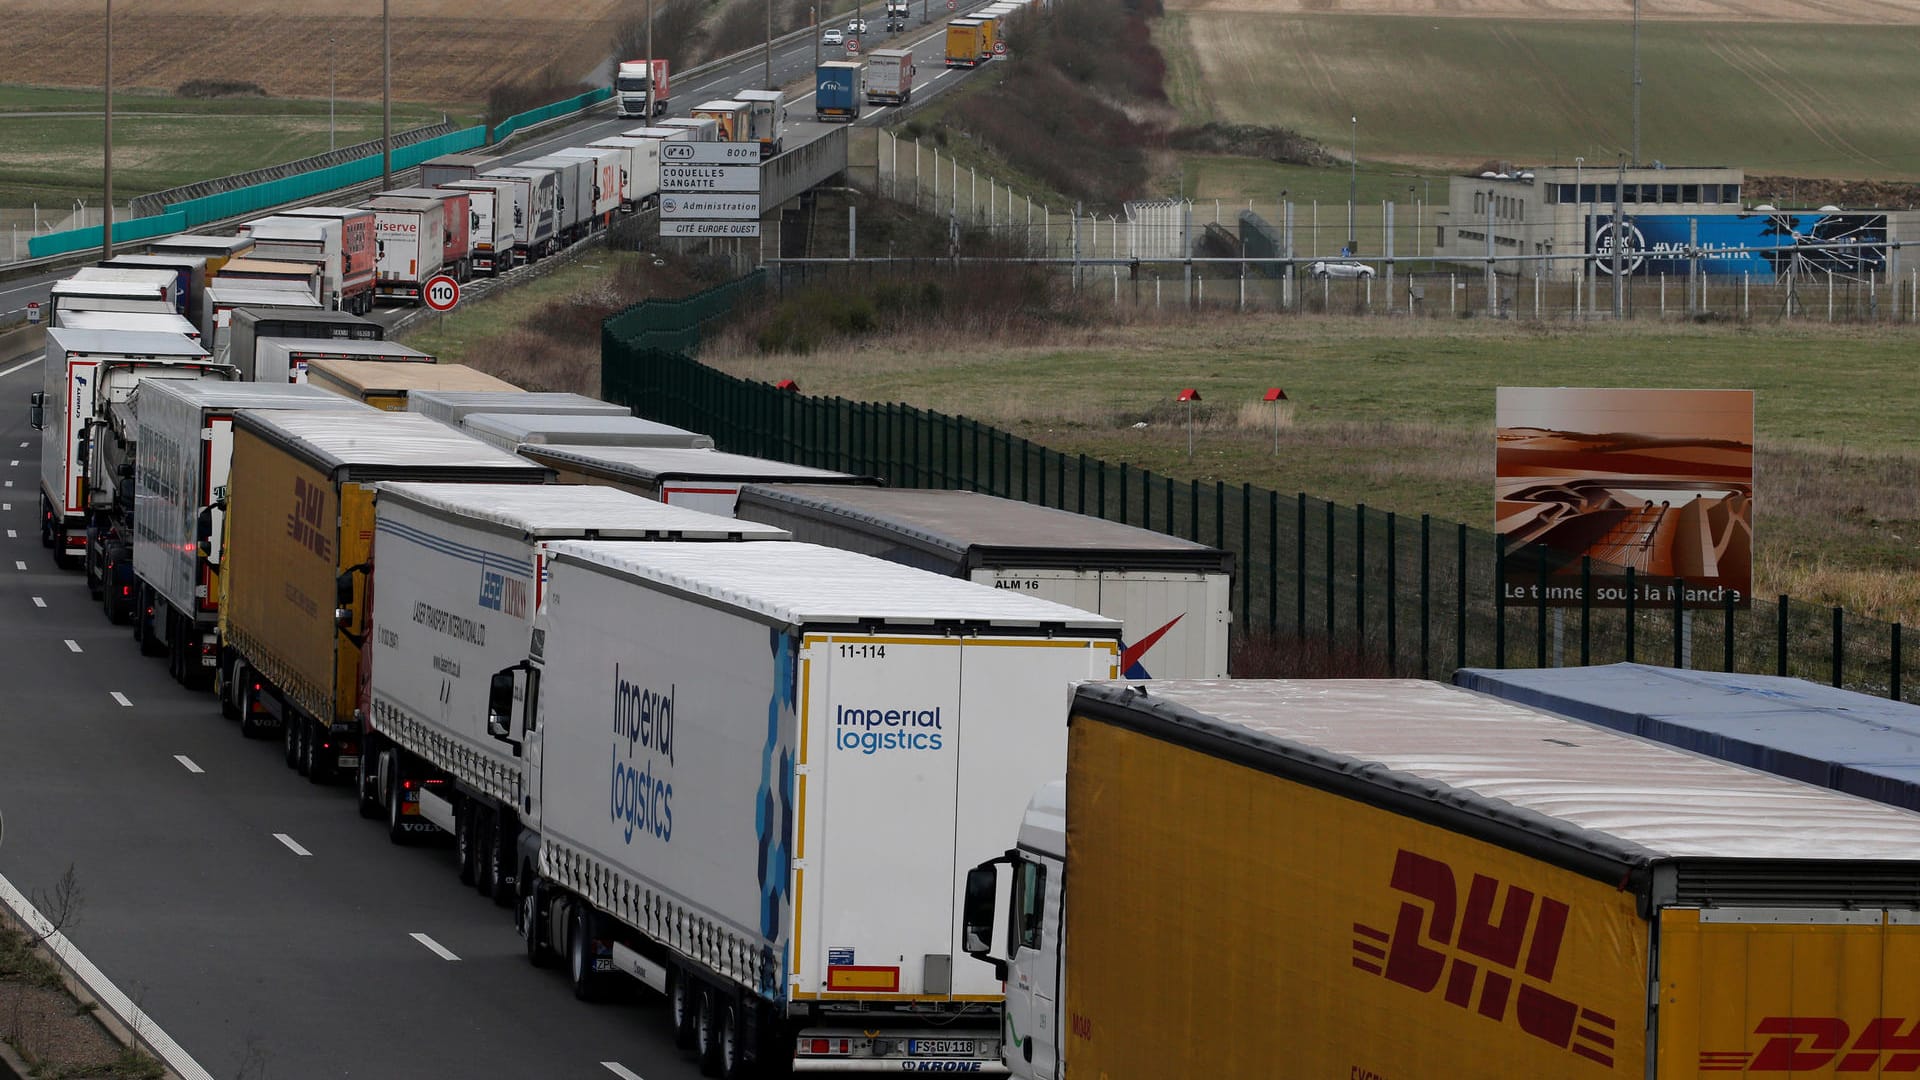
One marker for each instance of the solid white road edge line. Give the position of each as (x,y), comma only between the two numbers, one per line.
(620,1070)
(102,988)
(22,366)
(292,844)
(187,762)
(439,950)
(122,699)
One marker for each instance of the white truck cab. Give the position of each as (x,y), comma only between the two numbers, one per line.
(1025,942)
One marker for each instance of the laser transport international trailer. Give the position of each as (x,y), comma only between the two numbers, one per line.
(706,480)
(246,326)
(1853,742)
(183,454)
(1172,595)
(1402,878)
(299,529)
(386,385)
(452,407)
(84,375)
(510,431)
(461,573)
(641,88)
(856,734)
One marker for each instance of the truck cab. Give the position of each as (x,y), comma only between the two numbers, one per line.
(640,88)
(1011,919)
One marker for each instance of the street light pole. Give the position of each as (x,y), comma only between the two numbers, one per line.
(1580,220)
(769,59)
(1353,179)
(1636,83)
(386,96)
(814,14)
(330,92)
(106,211)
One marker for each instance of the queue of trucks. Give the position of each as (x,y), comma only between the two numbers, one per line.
(963,784)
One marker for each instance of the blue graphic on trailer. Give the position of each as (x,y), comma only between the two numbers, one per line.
(773,816)
(1764,246)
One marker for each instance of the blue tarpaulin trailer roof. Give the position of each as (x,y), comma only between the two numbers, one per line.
(1837,739)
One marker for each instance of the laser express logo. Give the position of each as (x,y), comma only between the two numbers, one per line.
(1479,944)
(1806,1044)
(871,731)
(643,750)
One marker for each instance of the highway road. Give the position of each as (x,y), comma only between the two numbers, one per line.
(792,68)
(261,923)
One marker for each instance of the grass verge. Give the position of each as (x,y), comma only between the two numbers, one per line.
(59,1039)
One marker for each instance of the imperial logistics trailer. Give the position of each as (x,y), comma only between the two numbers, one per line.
(386,385)
(470,555)
(183,453)
(1173,595)
(299,528)
(857,734)
(84,375)
(706,480)
(641,88)
(510,431)
(1394,878)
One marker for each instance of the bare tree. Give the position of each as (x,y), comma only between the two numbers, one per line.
(61,906)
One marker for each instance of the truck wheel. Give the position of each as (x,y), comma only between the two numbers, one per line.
(244,689)
(143,624)
(365,793)
(302,747)
(94,591)
(683,996)
(483,856)
(729,1064)
(586,981)
(319,759)
(706,1039)
(493,872)
(290,742)
(527,920)
(396,799)
(463,846)
(46,522)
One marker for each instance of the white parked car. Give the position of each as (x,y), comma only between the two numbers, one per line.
(856,27)
(833,37)
(1339,268)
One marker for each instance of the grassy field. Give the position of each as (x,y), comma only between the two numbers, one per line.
(1795,99)
(53,140)
(1399,415)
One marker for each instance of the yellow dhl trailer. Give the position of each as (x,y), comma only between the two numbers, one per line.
(385,384)
(299,532)
(964,38)
(1395,879)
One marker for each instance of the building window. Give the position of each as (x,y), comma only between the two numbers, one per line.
(1669,193)
(1709,193)
(1690,193)
(1586,193)
(1606,194)
(1630,193)
(1730,193)
(1479,203)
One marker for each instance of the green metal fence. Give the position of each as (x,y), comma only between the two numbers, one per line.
(60,243)
(517,121)
(1360,589)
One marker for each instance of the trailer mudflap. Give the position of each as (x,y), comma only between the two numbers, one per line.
(1798,992)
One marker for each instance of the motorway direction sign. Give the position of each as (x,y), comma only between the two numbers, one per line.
(699,178)
(710,153)
(710,229)
(441,292)
(710,207)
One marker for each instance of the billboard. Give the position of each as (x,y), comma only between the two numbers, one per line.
(1657,480)
(1766,246)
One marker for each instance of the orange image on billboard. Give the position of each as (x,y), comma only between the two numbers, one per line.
(1660,481)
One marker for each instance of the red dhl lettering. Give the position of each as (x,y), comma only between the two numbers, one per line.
(1494,943)
(1803,1043)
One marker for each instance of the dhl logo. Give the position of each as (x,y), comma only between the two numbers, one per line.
(1807,1043)
(1495,935)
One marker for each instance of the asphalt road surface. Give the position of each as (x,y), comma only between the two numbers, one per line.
(260,922)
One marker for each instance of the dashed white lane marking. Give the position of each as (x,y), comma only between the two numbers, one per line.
(439,950)
(72,645)
(19,564)
(6,506)
(944,74)
(122,699)
(292,844)
(188,763)
(12,535)
(39,601)
(9,483)
(15,462)
(620,1070)
(102,988)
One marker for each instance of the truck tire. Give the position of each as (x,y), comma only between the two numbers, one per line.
(587,983)
(527,920)
(729,1063)
(683,1002)
(318,761)
(396,799)
(365,792)
(94,590)
(706,1026)
(46,522)
(246,692)
(497,856)
(290,742)
(463,845)
(143,624)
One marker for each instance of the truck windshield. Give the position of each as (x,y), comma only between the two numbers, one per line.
(632,83)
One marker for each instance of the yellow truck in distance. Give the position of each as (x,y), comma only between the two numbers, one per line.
(1398,879)
(966,43)
(299,532)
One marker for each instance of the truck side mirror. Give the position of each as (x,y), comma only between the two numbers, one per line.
(977,914)
(500,705)
(37,410)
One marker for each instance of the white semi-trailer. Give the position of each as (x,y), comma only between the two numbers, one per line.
(182,456)
(454,406)
(756,777)
(706,480)
(510,431)
(460,574)
(1173,595)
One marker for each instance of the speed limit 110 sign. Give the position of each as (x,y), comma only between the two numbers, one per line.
(441,293)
